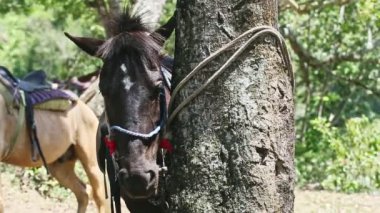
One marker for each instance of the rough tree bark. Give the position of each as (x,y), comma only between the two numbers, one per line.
(234,144)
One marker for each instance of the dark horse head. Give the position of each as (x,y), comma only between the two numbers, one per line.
(132,85)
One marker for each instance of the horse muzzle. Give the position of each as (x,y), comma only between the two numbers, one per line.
(138,184)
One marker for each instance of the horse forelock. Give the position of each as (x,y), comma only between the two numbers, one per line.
(143,44)
(126,21)
(130,34)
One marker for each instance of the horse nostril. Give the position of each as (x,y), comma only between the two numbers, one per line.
(138,183)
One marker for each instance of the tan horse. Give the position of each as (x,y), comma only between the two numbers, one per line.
(64,138)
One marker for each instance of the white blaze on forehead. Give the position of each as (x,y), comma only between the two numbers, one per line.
(127,80)
(128,83)
(124,68)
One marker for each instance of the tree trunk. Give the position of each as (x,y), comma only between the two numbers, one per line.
(234,144)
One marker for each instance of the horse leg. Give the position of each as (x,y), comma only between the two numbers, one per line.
(87,157)
(64,173)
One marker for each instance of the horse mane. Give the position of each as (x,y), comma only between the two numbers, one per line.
(131,36)
(126,21)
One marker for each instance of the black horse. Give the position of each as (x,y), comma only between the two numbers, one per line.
(135,91)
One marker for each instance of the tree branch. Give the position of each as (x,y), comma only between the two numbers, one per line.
(313,61)
(358,83)
(101,7)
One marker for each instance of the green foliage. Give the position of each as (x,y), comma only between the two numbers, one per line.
(38,179)
(169,9)
(329,34)
(44,184)
(34,39)
(31,36)
(342,159)
(337,79)
(337,76)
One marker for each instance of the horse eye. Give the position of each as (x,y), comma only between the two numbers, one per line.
(158,87)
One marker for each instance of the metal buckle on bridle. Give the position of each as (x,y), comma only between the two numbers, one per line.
(160,199)
(163,169)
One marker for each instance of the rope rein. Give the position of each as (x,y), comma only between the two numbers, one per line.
(257,32)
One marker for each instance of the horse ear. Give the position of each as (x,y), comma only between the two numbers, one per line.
(166,30)
(89,45)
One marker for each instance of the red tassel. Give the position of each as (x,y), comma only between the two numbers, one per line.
(165,144)
(110,144)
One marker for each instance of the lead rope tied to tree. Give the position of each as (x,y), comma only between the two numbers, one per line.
(256,33)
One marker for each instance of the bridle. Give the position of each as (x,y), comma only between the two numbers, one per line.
(159,125)
(158,130)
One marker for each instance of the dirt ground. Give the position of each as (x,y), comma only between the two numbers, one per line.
(28,200)
(20,200)
(17,200)
(330,202)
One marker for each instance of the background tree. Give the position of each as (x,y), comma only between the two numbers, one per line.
(31,32)
(336,54)
(31,35)
(234,143)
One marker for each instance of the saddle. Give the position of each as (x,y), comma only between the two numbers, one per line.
(26,94)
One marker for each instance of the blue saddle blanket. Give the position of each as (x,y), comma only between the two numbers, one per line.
(41,96)
(34,85)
